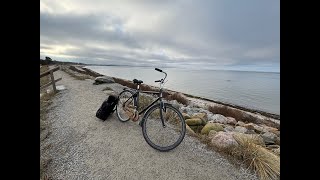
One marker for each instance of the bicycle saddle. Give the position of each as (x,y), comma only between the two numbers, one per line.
(137,81)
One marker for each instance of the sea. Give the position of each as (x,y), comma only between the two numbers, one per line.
(254,90)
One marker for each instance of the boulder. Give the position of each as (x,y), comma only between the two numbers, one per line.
(277,141)
(211,126)
(218,118)
(258,129)
(212,133)
(185,116)
(249,126)
(201,115)
(103,79)
(231,120)
(223,140)
(253,138)
(269,137)
(240,123)
(228,128)
(194,121)
(240,129)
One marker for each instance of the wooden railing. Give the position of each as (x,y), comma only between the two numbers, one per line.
(53,81)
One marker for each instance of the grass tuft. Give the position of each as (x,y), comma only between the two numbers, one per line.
(179,97)
(265,163)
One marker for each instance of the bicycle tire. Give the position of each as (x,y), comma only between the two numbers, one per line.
(151,122)
(119,109)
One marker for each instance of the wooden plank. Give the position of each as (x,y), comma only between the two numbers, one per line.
(53,83)
(48,84)
(48,72)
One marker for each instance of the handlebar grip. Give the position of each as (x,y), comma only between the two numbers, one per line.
(158,69)
(157,81)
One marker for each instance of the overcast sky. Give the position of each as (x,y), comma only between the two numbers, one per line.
(211,34)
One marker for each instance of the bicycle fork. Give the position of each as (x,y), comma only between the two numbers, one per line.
(162,109)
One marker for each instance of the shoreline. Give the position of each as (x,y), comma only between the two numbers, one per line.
(255,111)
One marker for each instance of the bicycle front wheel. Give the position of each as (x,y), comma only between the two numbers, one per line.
(125,105)
(159,137)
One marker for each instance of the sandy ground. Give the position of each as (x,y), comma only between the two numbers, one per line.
(84,147)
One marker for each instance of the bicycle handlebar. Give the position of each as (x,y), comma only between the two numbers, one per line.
(162,80)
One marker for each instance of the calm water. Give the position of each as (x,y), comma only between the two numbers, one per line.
(256,90)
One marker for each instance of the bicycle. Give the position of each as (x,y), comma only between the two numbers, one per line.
(163,125)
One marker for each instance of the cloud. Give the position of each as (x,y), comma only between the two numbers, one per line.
(172,33)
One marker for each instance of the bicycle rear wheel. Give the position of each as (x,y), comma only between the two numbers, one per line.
(159,137)
(125,105)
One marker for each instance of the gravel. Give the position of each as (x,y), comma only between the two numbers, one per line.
(84,147)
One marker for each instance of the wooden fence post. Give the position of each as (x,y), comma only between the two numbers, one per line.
(53,83)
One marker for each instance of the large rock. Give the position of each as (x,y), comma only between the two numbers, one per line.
(103,79)
(258,129)
(218,118)
(211,126)
(269,137)
(240,123)
(228,128)
(231,120)
(223,140)
(194,122)
(249,126)
(212,133)
(252,138)
(201,115)
(240,129)
(185,116)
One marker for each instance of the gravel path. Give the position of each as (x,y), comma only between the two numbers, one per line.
(83,147)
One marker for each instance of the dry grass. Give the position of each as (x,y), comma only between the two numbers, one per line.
(265,163)
(144,101)
(231,112)
(179,97)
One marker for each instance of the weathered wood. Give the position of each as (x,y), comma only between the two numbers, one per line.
(48,84)
(48,72)
(53,83)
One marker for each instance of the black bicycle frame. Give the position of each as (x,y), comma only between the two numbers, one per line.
(135,97)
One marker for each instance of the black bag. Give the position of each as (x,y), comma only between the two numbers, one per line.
(107,107)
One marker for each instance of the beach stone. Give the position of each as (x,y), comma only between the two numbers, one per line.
(212,133)
(223,140)
(240,129)
(269,137)
(258,129)
(240,123)
(200,115)
(231,120)
(249,126)
(218,118)
(228,128)
(194,121)
(103,79)
(277,141)
(253,138)
(185,116)
(211,126)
